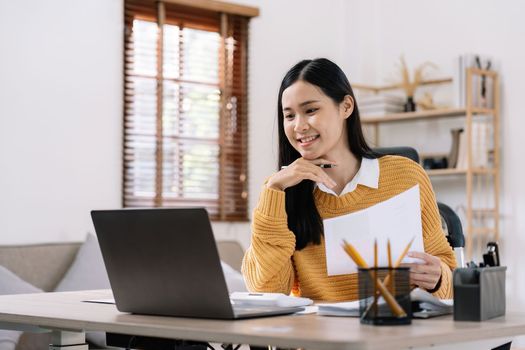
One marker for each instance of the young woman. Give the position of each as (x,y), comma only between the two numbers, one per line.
(319,125)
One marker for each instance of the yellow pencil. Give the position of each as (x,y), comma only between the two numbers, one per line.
(389,254)
(402,256)
(356,257)
(375,277)
(375,253)
(398,261)
(390,271)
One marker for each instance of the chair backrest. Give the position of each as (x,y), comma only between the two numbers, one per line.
(451,225)
(450,221)
(407,152)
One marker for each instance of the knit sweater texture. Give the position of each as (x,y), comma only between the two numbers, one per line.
(272,264)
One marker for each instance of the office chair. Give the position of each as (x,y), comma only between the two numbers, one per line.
(450,221)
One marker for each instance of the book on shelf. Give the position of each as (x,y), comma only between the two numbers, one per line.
(480,146)
(461,163)
(482,87)
(454,149)
(380,104)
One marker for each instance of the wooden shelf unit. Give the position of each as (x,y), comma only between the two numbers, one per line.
(470,172)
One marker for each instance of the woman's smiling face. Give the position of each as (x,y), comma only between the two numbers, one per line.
(313,123)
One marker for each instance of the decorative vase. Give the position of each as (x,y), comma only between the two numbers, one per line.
(410,105)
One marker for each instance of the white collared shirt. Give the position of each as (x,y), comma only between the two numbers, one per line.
(367,175)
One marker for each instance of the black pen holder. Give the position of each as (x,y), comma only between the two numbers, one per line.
(479,293)
(384,295)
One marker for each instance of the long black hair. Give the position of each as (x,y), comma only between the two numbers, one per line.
(303,218)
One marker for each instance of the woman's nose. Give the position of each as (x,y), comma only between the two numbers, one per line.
(301,124)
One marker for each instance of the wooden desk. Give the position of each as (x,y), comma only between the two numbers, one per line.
(66,311)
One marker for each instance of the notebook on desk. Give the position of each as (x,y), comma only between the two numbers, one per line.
(166,262)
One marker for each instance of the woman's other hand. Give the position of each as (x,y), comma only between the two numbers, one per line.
(301,169)
(426,274)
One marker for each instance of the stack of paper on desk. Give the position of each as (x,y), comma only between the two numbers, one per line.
(348,308)
(427,301)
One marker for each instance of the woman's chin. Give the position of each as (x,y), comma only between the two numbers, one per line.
(309,155)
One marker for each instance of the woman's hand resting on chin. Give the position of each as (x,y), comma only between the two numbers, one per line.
(301,169)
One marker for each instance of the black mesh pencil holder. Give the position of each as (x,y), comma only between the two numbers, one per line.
(384,295)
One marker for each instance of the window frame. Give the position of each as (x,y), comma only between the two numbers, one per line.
(232,201)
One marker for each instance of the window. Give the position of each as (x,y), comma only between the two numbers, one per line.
(185,108)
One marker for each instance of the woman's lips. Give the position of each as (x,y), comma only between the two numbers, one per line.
(308,143)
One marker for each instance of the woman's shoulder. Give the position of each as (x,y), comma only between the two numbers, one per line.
(392,160)
(395,166)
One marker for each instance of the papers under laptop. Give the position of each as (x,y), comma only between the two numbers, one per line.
(165,262)
(268,299)
(247,299)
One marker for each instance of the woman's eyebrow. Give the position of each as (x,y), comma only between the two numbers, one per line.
(307,102)
(302,104)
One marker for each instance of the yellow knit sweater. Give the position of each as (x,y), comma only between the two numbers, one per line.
(271,263)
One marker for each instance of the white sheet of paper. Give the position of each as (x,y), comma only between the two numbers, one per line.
(397,218)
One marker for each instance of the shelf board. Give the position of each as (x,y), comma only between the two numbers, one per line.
(454,171)
(479,110)
(377,89)
(484,212)
(430,114)
(484,171)
(443,172)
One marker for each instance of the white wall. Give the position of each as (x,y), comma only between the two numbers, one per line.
(439,31)
(61,98)
(60,116)
(61,106)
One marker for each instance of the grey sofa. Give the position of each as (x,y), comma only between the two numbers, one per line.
(44,265)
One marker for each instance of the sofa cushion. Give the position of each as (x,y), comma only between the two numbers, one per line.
(12,284)
(42,265)
(87,270)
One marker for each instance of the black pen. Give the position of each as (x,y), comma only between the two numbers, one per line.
(324,166)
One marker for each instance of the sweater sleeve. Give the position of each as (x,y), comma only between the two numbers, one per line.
(434,238)
(267,265)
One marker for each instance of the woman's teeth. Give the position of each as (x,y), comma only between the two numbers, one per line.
(308,139)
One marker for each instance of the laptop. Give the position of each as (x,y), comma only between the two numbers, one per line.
(166,262)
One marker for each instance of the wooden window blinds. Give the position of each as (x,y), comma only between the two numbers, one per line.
(185,108)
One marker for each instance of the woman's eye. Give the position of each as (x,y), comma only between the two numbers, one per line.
(289,116)
(311,110)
